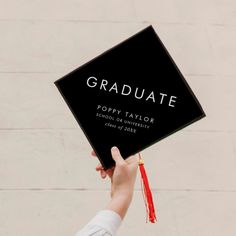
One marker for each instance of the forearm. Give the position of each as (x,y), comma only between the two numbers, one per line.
(120,204)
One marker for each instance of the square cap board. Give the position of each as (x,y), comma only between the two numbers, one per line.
(130,96)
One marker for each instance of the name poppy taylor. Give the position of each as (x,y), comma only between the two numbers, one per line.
(126,114)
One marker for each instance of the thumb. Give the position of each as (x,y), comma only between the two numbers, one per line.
(117,156)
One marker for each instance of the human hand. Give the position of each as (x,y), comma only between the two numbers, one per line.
(123,177)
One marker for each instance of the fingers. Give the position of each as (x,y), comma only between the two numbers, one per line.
(133,159)
(110,172)
(99,167)
(103,174)
(102,171)
(117,156)
(93,153)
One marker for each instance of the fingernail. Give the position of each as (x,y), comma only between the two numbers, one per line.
(114,148)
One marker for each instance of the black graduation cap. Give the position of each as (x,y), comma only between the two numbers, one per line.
(130,96)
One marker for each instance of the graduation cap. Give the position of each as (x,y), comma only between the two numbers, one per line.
(131,96)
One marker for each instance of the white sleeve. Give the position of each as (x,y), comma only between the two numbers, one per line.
(105,223)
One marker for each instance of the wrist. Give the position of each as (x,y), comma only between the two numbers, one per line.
(120,203)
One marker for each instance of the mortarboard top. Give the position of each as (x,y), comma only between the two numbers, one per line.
(130,96)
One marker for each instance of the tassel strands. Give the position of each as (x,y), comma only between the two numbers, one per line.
(147,194)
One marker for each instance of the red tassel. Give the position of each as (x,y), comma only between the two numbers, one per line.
(147,194)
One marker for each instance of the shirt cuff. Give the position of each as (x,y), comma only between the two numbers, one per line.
(108,220)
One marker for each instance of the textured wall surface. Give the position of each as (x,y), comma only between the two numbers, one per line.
(48,182)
